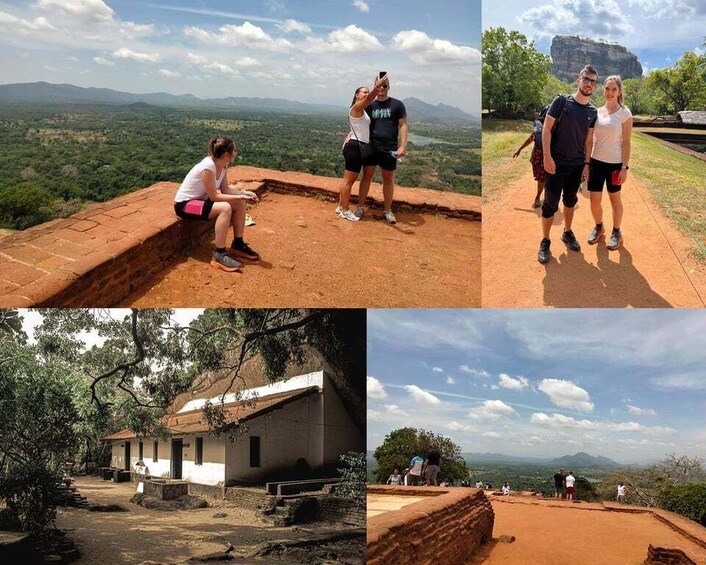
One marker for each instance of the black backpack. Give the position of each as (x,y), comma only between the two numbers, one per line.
(539,122)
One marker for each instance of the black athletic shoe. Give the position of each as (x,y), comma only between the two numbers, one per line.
(244,251)
(616,238)
(544,253)
(569,238)
(596,233)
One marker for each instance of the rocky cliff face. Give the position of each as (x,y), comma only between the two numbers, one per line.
(571,53)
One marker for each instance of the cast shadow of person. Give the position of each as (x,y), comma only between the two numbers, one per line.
(572,282)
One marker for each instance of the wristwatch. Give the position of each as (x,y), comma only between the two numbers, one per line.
(626,167)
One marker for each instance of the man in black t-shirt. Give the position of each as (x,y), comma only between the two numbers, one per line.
(566,153)
(388,121)
(560,484)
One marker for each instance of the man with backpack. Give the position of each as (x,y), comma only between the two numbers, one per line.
(567,139)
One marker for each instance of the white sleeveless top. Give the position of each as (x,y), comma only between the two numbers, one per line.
(608,135)
(360,127)
(193,187)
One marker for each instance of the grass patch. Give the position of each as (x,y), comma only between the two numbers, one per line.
(675,180)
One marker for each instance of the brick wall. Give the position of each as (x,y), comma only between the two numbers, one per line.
(342,510)
(245,497)
(446,529)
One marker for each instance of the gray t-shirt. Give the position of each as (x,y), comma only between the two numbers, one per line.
(569,136)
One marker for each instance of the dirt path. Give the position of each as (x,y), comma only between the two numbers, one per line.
(165,537)
(564,533)
(653,268)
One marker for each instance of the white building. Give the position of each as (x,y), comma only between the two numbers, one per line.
(278,426)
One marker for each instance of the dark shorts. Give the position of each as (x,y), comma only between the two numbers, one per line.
(353,155)
(563,186)
(193,209)
(537,160)
(381,158)
(570,490)
(601,173)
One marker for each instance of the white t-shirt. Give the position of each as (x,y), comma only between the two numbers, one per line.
(193,187)
(506,490)
(360,127)
(621,490)
(570,480)
(415,466)
(608,135)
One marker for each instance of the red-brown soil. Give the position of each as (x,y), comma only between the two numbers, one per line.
(165,536)
(653,268)
(558,533)
(311,257)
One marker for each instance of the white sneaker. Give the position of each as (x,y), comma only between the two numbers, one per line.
(359,211)
(390,217)
(348,215)
(339,210)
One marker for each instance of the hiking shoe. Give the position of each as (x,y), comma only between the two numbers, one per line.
(596,233)
(359,211)
(339,210)
(348,215)
(616,238)
(389,217)
(244,251)
(544,253)
(569,238)
(224,262)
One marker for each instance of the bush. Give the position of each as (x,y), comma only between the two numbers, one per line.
(31,492)
(687,500)
(26,205)
(353,476)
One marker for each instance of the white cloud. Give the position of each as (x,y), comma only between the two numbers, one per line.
(104,62)
(362,6)
(375,389)
(217,68)
(389,413)
(683,381)
(473,372)
(234,35)
(125,53)
(660,9)
(247,62)
(491,434)
(92,10)
(437,369)
(425,50)
(421,395)
(12,23)
(457,427)
(450,381)
(351,39)
(491,410)
(641,411)
(519,383)
(168,74)
(293,26)
(601,18)
(560,421)
(566,394)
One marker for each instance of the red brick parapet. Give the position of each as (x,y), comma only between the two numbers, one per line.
(102,254)
(447,528)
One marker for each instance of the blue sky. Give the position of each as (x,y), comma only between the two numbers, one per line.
(625,384)
(657,31)
(306,50)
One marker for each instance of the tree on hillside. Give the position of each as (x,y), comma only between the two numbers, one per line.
(401,445)
(681,87)
(638,96)
(514,72)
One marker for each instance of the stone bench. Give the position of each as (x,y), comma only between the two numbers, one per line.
(283,488)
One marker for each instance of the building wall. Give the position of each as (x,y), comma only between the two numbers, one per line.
(340,434)
(286,435)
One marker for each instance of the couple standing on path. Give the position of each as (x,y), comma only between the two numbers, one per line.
(376,120)
(574,131)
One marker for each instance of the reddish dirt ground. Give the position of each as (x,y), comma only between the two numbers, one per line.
(162,536)
(569,533)
(653,268)
(311,257)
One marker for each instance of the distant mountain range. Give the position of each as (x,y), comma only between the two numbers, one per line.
(48,93)
(579,460)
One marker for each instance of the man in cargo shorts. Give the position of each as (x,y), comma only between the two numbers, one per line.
(566,149)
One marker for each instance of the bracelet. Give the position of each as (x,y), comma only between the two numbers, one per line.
(587,163)
(626,167)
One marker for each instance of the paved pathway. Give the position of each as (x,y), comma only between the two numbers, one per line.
(653,268)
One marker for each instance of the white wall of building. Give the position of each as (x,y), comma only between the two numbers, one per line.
(212,469)
(340,434)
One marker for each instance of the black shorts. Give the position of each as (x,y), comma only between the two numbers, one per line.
(562,185)
(381,158)
(601,173)
(193,209)
(353,152)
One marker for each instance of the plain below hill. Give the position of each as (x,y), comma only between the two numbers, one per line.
(48,93)
(579,460)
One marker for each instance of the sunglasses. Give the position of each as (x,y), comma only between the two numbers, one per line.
(385,86)
(587,80)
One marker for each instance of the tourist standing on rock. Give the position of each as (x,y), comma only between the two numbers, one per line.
(414,477)
(356,147)
(506,489)
(610,160)
(388,123)
(432,468)
(204,195)
(559,484)
(570,481)
(566,149)
(395,478)
(621,493)
(536,157)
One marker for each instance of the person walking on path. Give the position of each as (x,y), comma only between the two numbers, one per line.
(388,123)
(610,158)
(559,485)
(570,482)
(565,151)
